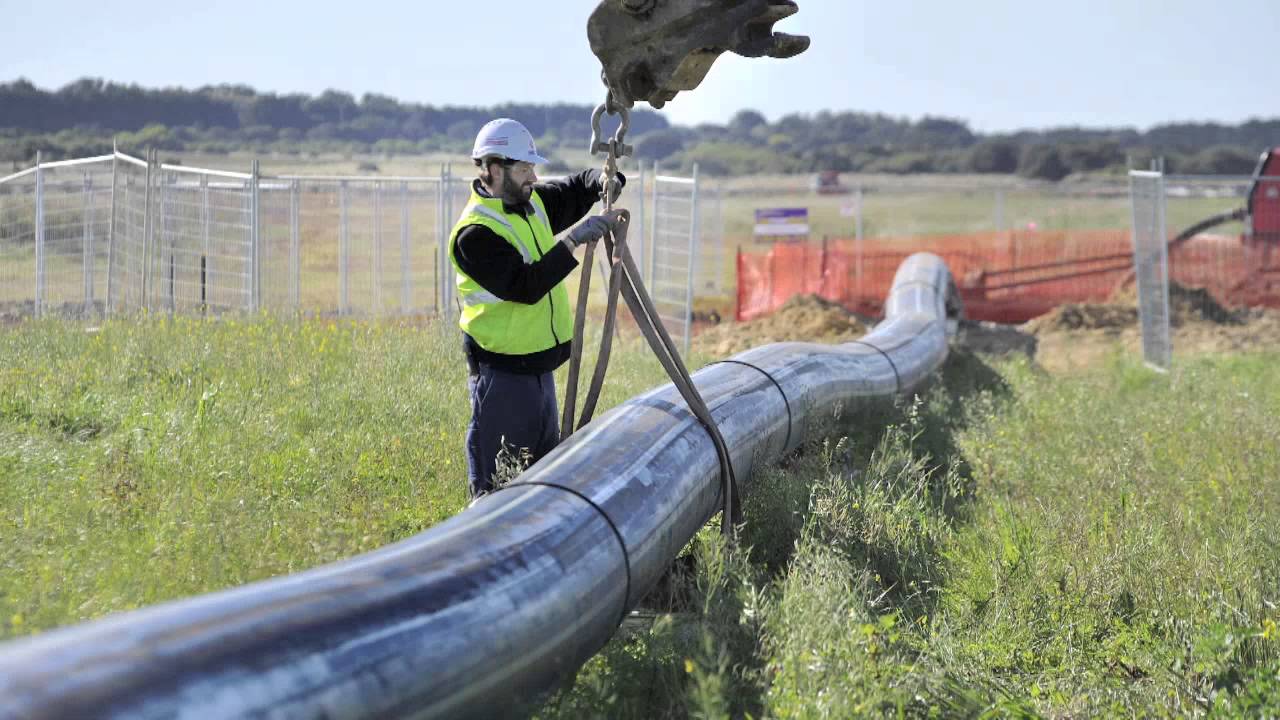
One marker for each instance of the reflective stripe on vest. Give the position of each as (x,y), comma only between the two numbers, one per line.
(504,326)
(497,216)
(482,297)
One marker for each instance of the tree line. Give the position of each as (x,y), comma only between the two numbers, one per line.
(864,142)
(83,117)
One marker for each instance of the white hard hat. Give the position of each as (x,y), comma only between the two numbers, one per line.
(506,138)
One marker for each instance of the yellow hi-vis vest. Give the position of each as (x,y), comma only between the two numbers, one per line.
(502,326)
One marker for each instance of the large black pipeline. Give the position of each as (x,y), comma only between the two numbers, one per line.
(476,615)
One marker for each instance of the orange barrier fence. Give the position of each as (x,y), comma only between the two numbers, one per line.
(1002,276)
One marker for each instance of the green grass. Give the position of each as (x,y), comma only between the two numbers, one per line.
(159,458)
(1013,545)
(1010,544)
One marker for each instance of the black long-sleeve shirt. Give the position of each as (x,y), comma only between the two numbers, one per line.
(499,268)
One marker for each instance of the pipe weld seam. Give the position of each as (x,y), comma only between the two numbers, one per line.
(897,379)
(785,402)
(921,283)
(626,557)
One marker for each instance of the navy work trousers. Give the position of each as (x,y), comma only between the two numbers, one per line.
(512,411)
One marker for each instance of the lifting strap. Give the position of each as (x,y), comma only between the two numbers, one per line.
(624,280)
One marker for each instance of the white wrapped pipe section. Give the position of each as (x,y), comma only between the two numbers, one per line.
(476,615)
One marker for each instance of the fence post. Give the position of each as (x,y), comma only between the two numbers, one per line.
(295,245)
(165,243)
(437,264)
(693,262)
(443,289)
(639,228)
(88,241)
(653,233)
(718,254)
(858,241)
(406,278)
(111,234)
(857,213)
(342,247)
(146,236)
(246,211)
(204,244)
(39,237)
(1162,234)
(999,210)
(450,215)
(377,247)
(255,245)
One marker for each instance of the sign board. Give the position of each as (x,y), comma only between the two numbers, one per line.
(773,222)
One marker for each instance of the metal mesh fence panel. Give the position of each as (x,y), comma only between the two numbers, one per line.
(1219,258)
(125,259)
(1237,262)
(321,208)
(363,281)
(366,246)
(422,222)
(456,196)
(278,249)
(18,245)
(1151,265)
(201,254)
(119,234)
(636,198)
(673,242)
(73,244)
(714,271)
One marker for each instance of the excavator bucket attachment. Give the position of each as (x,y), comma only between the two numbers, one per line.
(653,49)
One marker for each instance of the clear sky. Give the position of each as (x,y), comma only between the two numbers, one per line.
(998,64)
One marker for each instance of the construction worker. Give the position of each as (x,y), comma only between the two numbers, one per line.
(517,321)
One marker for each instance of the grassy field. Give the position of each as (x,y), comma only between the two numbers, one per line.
(1012,543)
(159,458)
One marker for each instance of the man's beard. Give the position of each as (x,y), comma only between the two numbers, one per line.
(515,193)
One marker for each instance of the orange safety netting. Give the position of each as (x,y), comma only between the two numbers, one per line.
(1002,276)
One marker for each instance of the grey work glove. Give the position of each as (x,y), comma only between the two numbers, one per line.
(615,190)
(592,229)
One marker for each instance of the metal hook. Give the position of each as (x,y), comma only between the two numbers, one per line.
(617,145)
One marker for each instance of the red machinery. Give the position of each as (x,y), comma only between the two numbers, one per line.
(1263,224)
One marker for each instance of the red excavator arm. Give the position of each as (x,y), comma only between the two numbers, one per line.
(653,49)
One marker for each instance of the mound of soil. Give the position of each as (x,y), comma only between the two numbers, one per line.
(807,318)
(1084,316)
(1187,306)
